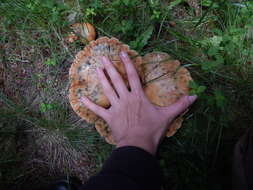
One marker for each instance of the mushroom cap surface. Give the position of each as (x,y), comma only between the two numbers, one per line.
(165,81)
(85,30)
(83,76)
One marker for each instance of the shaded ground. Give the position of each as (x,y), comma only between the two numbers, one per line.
(25,80)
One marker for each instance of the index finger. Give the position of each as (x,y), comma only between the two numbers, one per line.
(132,74)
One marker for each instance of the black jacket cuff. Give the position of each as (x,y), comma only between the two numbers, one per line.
(135,163)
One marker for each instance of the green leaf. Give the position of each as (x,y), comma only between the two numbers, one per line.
(212,51)
(201,89)
(45,107)
(219,59)
(209,65)
(126,2)
(208,3)
(50,62)
(156,14)
(196,89)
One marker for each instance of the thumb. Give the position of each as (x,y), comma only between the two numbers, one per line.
(180,106)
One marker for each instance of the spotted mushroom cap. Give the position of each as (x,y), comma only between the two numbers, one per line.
(83,76)
(165,81)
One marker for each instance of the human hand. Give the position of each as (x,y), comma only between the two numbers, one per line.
(133,119)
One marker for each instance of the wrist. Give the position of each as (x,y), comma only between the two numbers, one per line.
(145,144)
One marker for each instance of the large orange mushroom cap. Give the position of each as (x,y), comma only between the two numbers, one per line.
(83,76)
(165,81)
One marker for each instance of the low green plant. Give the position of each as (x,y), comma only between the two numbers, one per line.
(142,40)
(49,62)
(196,89)
(46,107)
(230,43)
(89,12)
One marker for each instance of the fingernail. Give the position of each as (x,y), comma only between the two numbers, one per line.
(103,59)
(83,99)
(192,98)
(123,54)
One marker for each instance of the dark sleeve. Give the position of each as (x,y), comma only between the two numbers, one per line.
(127,168)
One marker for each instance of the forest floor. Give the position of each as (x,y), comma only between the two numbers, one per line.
(42,138)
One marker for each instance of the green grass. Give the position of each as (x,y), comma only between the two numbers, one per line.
(215,46)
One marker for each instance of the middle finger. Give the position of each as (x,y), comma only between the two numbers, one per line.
(115,77)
